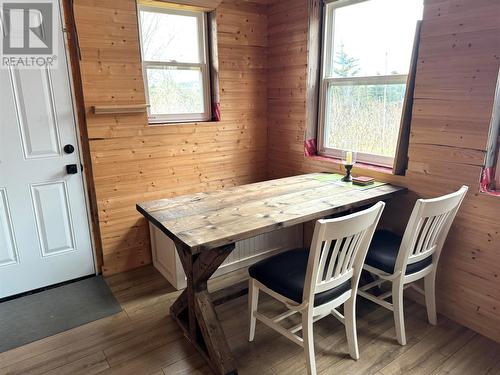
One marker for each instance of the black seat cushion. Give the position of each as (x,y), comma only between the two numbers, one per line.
(384,251)
(285,274)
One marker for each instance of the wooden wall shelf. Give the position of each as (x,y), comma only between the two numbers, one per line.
(119,109)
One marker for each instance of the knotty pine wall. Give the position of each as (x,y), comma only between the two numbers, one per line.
(455,83)
(132,161)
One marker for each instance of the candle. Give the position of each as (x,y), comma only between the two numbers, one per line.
(348,158)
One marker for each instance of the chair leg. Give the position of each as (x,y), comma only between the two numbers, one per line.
(430,297)
(397,303)
(307,330)
(350,326)
(253,301)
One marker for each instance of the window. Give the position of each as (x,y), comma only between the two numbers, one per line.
(497,175)
(495,135)
(490,180)
(367,47)
(175,64)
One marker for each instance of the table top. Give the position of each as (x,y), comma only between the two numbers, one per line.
(212,219)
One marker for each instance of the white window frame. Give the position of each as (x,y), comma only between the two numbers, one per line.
(326,59)
(497,171)
(203,65)
(495,122)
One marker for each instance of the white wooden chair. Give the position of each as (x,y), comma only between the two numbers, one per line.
(315,282)
(403,260)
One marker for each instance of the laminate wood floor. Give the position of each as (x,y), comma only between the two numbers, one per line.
(143,339)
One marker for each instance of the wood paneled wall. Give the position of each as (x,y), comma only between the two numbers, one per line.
(132,161)
(456,76)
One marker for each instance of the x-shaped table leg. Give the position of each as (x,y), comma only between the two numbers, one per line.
(195,312)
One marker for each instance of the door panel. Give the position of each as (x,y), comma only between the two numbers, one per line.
(8,250)
(53,217)
(38,125)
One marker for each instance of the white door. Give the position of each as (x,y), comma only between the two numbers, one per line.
(44,229)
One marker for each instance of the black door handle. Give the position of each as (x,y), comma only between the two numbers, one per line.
(71,169)
(69,149)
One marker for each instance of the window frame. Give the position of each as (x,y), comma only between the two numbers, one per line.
(493,149)
(203,66)
(497,168)
(328,24)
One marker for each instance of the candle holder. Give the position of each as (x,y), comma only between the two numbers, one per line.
(348,159)
(347,177)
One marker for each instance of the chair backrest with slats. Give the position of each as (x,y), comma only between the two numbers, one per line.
(338,250)
(428,228)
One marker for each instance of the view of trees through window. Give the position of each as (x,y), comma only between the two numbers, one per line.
(367,56)
(370,114)
(175,91)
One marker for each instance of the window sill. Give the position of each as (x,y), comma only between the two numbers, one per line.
(193,122)
(491,193)
(357,167)
(487,176)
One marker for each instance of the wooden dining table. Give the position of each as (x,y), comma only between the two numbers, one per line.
(206,226)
